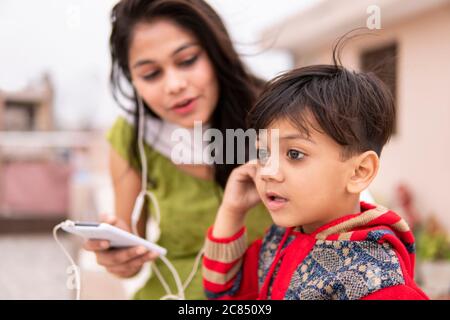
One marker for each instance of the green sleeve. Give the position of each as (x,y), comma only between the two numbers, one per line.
(120,137)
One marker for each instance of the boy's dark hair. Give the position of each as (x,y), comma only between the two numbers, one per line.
(355,109)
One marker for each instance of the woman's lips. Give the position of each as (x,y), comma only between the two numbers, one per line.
(275,202)
(185,107)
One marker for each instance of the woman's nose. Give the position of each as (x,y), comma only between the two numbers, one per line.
(175,82)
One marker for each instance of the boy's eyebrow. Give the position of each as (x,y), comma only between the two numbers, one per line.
(296,136)
(179,49)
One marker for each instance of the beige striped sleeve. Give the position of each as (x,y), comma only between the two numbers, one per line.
(226,252)
(224,259)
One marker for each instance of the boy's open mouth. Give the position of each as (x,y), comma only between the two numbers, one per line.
(275,201)
(275,197)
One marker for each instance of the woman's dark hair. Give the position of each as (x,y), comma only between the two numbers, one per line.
(355,109)
(238,88)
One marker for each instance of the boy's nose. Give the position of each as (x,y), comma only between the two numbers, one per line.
(271,170)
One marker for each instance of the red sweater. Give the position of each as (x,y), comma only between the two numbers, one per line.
(369,255)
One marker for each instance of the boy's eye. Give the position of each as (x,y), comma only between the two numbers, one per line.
(295,154)
(188,62)
(263,155)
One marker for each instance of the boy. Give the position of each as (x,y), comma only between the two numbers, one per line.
(324,244)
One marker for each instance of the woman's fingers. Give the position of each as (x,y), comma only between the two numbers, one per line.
(114,221)
(123,262)
(120,256)
(132,266)
(96,245)
(105,218)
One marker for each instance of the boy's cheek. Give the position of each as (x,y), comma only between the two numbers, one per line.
(259,186)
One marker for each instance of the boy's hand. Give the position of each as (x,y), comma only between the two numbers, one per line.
(239,197)
(240,192)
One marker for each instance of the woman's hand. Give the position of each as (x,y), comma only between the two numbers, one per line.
(240,196)
(123,263)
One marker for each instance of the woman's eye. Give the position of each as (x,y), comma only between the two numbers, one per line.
(188,62)
(295,154)
(151,76)
(263,155)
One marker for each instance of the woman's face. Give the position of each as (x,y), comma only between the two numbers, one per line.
(173,73)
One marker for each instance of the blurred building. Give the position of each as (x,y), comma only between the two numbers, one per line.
(29,109)
(411,54)
(46,175)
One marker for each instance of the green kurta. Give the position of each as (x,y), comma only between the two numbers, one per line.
(188,206)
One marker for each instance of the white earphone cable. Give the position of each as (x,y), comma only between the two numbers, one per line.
(72,262)
(135,216)
(137,210)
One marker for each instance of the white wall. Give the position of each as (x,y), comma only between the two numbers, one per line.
(419,153)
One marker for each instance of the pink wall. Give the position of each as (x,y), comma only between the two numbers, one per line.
(34,188)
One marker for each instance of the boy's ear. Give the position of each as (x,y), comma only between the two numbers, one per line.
(364,170)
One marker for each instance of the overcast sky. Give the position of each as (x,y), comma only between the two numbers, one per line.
(69,39)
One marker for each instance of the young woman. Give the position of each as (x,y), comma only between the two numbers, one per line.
(178,58)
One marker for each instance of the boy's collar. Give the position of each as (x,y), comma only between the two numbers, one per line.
(333,226)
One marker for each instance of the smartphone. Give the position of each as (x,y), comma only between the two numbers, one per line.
(117,238)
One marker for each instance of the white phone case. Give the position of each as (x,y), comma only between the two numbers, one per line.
(118,238)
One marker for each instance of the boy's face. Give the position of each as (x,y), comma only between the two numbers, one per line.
(308,184)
